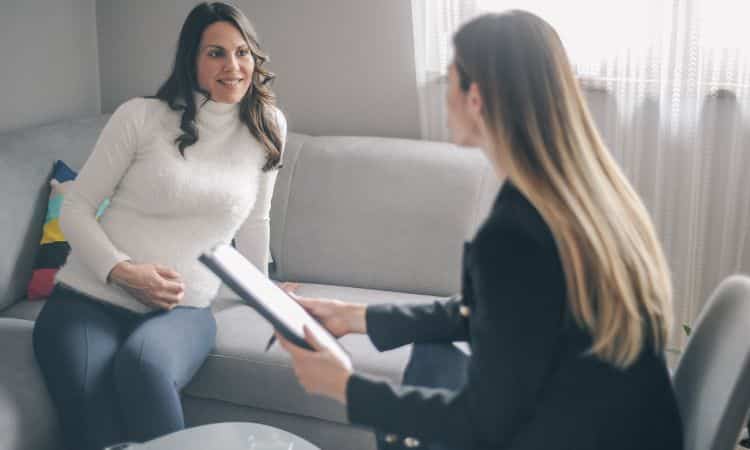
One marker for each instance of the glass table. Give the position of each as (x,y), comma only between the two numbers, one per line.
(224,436)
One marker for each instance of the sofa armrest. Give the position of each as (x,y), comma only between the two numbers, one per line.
(27,418)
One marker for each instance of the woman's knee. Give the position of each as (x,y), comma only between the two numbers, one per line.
(429,355)
(74,351)
(435,365)
(171,347)
(134,361)
(57,342)
(46,326)
(71,328)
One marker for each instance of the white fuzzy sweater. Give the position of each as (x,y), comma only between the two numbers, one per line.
(164,208)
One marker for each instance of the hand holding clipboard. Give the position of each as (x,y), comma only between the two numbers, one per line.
(286,315)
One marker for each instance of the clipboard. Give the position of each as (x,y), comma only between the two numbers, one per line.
(284,313)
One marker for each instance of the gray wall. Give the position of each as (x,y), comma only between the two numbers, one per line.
(49,69)
(343,66)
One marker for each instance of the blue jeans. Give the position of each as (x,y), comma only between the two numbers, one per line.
(435,365)
(115,375)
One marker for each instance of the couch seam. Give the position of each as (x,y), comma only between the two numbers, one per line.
(292,172)
(266,363)
(275,411)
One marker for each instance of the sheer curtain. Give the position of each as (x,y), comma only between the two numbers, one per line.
(434,25)
(668,82)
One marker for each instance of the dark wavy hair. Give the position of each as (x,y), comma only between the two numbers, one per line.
(257,107)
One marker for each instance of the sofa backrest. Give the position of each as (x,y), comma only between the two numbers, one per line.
(377,213)
(26,159)
(355,211)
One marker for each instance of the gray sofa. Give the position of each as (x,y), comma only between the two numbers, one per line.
(357,218)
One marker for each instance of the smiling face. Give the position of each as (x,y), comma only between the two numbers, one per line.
(225,64)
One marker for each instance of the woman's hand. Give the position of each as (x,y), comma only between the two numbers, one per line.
(289,287)
(152,284)
(318,371)
(340,318)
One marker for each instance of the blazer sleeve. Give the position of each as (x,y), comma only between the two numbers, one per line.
(514,327)
(390,326)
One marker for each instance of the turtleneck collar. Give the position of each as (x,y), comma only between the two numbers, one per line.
(214,115)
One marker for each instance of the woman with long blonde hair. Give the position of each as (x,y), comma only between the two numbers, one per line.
(566,299)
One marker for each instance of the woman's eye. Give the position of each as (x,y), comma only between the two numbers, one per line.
(243,52)
(214,53)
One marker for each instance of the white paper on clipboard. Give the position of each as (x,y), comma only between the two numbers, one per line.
(284,313)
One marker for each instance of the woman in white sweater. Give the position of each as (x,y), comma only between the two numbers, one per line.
(129,321)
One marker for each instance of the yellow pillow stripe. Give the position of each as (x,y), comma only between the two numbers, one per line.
(51,232)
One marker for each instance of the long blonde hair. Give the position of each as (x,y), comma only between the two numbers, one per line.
(543,136)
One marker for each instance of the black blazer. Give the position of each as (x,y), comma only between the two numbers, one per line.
(531,384)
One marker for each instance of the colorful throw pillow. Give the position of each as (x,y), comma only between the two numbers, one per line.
(54,248)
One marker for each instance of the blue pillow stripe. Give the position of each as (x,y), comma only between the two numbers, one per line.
(62,173)
(53,208)
(102,207)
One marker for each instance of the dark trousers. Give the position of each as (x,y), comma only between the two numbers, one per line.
(115,375)
(435,366)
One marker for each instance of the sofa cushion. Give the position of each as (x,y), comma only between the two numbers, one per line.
(378,213)
(26,158)
(238,371)
(25,309)
(27,418)
(281,192)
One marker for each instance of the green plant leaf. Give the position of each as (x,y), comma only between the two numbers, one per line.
(687,329)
